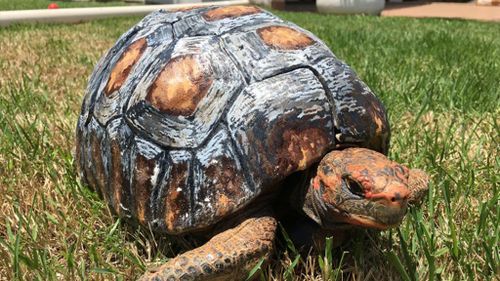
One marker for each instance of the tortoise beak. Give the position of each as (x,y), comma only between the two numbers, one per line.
(395,196)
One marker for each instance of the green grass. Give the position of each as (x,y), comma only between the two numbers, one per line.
(43,4)
(439,79)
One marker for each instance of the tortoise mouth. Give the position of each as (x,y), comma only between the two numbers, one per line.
(368,222)
(382,220)
(362,213)
(372,214)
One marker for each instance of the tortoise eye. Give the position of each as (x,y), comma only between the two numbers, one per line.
(355,187)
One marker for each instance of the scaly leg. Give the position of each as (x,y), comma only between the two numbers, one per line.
(229,255)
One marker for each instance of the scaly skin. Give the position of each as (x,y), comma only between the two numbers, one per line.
(229,255)
(362,187)
(418,183)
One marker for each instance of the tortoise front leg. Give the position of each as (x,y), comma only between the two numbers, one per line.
(229,255)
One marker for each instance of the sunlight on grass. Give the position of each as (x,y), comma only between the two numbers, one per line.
(439,80)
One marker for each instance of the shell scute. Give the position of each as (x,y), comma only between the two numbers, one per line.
(102,67)
(147,162)
(188,125)
(124,65)
(220,184)
(230,12)
(360,116)
(220,20)
(284,37)
(270,122)
(120,139)
(180,86)
(122,73)
(177,193)
(92,160)
(260,60)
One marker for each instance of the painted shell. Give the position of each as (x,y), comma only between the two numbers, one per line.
(192,114)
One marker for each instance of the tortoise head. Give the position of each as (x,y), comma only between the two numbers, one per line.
(361,187)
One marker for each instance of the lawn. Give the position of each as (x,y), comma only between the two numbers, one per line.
(439,79)
(43,4)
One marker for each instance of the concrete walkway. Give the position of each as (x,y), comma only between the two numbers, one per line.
(469,11)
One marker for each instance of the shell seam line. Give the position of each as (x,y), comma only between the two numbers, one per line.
(155,202)
(239,157)
(112,53)
(191,189)
(329,97)
(168,52)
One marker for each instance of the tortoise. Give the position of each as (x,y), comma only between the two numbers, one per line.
(197,121)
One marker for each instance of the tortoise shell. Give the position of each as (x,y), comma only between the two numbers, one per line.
(194,113)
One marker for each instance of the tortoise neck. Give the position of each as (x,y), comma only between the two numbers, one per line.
(302,198)
(311,204)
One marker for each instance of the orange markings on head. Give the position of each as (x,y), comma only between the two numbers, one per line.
(316,184)
(180,86)
(331,181)
(230,12)
(282,37)
(124,65)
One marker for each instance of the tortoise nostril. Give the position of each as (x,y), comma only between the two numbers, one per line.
(398,197)
(389,198)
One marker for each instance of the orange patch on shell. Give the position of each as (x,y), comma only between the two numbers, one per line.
(172,214)
(144,169)
(180,86)
(124,65)
(224,205)
(230,12)
(305,146)
(99,166)
(379,123)
(229,185)
(177,201)
(116,177)
(378,140)
(282,37)
(185,9)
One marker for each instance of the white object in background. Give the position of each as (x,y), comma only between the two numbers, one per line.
(75,15)
(373,7)
(171,1)
(488,2)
